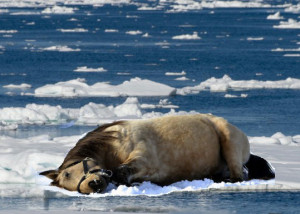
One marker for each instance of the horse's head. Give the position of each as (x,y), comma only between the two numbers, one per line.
(84,176)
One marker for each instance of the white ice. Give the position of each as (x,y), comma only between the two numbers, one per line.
(8,31)
(275,16)
(111,31)
(255,38)
(58,10)
(60,48)
(75,30)
(290,24)
(86,69)
(134,32)
(174,5)
(78,87)
(226,83)
(193,36)
(21,86)
(182,73)
(89,114)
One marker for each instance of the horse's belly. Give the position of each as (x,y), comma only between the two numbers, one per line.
(183,150)
(194,162)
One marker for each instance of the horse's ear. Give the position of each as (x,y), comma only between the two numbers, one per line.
(52,174)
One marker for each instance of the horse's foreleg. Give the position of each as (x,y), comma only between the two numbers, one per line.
(122,175)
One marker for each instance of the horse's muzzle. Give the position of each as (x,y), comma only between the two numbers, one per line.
(98,186)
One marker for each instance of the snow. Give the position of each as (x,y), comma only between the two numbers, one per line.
(193,36)
(226,83)
(22,159)
(78,87)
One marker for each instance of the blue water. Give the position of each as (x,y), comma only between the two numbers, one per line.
(223,49)
(183,202)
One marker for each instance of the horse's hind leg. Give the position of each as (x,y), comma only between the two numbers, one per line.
(235,150)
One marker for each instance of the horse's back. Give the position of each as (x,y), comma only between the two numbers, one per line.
(173,148)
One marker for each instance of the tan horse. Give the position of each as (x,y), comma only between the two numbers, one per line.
(161,150)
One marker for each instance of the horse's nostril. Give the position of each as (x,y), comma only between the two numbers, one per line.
(96,185)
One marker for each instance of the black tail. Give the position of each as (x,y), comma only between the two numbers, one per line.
(259,168)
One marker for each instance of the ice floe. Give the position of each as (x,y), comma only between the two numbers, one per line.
(255,38)
(75,30)
(293,8)
(182,73)
(278,138)
(58,10)
(290,24)
(182,79)
(235,96)
(111,31)
(78,87)
(60,48)
(89,114)
(275,16)
(291,55)
(226,83)
(193,36)
(86,69)
(21,86)
(8,31)
(134,32)
(287,49)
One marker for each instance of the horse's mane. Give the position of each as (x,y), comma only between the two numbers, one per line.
(90,145)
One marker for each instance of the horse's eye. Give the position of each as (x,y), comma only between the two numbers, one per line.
(67,175)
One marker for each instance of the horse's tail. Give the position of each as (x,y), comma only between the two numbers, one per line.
(259,168)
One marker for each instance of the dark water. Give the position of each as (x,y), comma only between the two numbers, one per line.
(223,49)
(183,202)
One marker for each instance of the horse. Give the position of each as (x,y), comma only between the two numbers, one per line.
(161,150)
